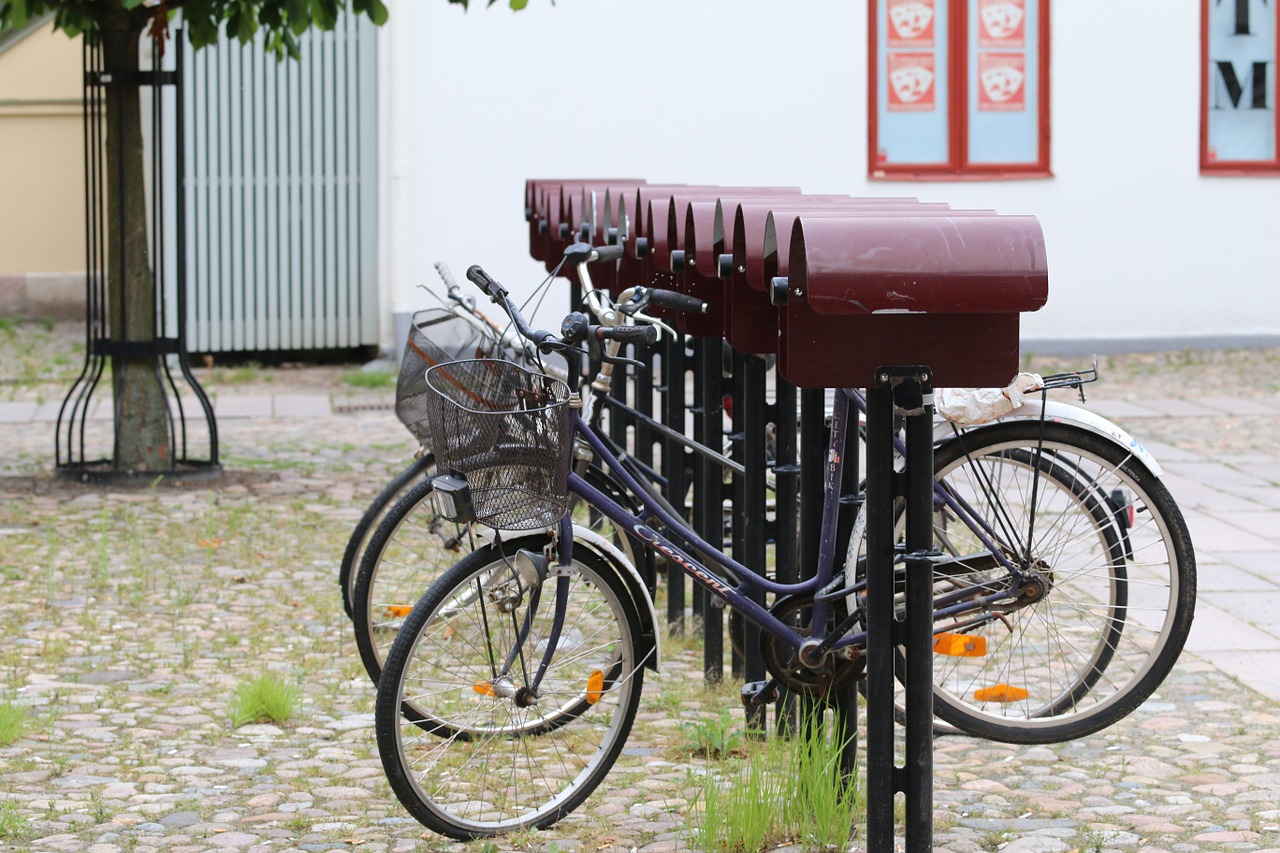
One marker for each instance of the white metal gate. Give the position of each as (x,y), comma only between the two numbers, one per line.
(280,165)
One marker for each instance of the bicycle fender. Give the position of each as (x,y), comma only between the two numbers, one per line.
(631,575)
(1074,415)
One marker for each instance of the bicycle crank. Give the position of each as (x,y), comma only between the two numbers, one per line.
(785,663)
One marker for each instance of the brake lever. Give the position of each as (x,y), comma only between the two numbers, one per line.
(625,362)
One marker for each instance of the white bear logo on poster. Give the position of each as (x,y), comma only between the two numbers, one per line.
(911,84)
(1002,83)
(1001,20)
(910,20)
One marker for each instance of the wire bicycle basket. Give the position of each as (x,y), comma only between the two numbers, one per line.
(509,432)
(436,336)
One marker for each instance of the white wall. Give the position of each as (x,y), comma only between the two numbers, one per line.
(764,92)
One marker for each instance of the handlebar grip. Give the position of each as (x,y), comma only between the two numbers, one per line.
(609,253)
(677,301)
(629,334)
(446,275)
(485,282)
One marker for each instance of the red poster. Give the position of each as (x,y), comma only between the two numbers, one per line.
(911,23)
(1002,78)
(911,86)
(1002,23)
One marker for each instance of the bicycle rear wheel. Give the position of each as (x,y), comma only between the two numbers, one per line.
(466,651)
(1114,557)
(422,467)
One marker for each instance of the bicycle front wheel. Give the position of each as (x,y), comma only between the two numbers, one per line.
(1115,583)
(471,651)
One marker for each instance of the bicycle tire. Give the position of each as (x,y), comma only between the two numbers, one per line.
(421,467)
(413,546)
(1116,614)
(507,767)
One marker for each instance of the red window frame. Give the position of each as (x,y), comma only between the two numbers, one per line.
(1211,165)
(958,166)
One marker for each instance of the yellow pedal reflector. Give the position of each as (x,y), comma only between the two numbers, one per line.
(959,645)
(484,688)
(1000,693)
(397,611)
(595,686)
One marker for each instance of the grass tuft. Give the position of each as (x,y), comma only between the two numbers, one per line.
(785,792)
(263,699)
(13,720)
(370,378)
(13,823)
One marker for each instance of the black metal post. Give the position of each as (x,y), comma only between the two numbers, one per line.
(673,466)
(917,782)
(906,391)
(786,472)
(880,620)
(748,524)
(708,508)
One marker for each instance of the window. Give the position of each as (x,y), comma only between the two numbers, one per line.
(1238,51)
(959,88)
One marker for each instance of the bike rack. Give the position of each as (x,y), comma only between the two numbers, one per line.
(936,304)
(966,280)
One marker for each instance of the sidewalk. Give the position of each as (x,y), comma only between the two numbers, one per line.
(1232,507)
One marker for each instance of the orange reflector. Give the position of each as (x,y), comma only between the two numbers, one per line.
(484,688)
(959,645)
(1000,693)
(595,686)
(397,611)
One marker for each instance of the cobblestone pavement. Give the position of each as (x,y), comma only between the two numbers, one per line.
(130,615)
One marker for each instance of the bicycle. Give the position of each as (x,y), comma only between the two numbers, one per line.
(454,330)
(483,648)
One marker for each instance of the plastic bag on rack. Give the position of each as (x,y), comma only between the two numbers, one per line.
(973,406)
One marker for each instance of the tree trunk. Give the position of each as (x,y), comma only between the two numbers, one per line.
(142,426)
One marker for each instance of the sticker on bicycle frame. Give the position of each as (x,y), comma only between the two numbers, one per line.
(911,79)
(911,23)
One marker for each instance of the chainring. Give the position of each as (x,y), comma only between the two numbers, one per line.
(783,662)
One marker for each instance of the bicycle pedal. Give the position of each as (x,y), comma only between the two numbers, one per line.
(960,646)
(759,693)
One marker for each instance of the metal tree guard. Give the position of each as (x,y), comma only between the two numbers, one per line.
(89,421)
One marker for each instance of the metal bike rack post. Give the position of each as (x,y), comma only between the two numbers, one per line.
(967,279)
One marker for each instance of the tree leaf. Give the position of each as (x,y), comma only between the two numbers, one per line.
(517,5)
(299,16)
(378,12)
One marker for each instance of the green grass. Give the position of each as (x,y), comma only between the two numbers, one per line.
(370,378)
(13,823)
(714,738)
(786,791)
(13,720)
(263,699)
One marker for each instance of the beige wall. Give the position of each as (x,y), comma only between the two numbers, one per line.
(41,156)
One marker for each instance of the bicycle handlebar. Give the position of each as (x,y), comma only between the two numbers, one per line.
(628,334)
(676,301)
(585,253)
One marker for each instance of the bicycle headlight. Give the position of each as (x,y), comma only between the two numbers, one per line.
(453,499)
